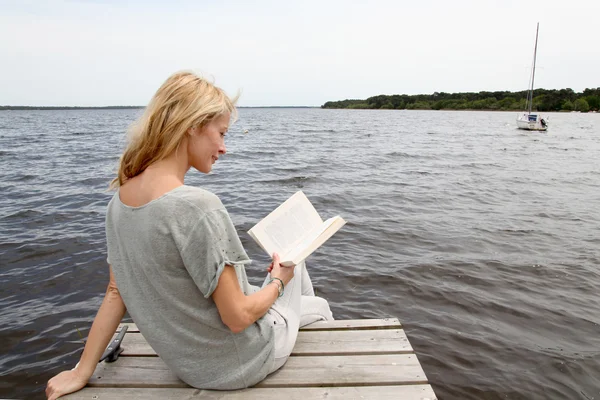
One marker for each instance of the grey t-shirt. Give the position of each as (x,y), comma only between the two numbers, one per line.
(167,256)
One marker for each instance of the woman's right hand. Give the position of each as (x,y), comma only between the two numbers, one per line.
(277,271)
(64,383)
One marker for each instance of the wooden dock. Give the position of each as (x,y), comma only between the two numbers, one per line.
(345,359)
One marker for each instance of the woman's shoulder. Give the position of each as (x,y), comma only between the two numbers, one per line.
(187,205)
(197,198)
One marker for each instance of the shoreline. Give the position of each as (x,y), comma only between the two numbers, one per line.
(76,108)
(467,109)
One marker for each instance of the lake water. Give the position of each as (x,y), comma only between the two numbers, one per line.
(483,240)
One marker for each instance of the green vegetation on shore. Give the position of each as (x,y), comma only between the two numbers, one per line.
(543,100)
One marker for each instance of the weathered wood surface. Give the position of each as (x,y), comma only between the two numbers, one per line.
(386,369)
(309,343)
(343,324)
(413,392)
(364,359)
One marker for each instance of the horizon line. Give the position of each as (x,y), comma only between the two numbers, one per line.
(7,107)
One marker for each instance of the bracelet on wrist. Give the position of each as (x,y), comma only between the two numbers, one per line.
(280,285)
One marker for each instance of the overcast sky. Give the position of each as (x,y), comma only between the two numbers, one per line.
(118,52)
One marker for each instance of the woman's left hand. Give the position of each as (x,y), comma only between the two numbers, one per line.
(64,383)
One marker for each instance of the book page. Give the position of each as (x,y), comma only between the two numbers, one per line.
(307,240)
(313,241)
(282,229)
(288,228)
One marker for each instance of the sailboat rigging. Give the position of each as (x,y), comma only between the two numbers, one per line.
(528,120)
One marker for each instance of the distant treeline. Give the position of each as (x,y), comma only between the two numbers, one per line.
(68,108)
(543,100)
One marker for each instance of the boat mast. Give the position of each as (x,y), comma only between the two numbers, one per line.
(533,74)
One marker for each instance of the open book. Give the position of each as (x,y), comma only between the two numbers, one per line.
(294,230)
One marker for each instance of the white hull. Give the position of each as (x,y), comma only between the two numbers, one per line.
(532,122)
(528,120)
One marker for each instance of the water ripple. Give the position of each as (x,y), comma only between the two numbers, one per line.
(482,241)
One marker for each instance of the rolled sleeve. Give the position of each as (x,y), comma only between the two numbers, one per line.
(212,244)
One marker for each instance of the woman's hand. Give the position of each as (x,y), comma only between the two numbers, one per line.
(105,324)
(64,383)
(277,271)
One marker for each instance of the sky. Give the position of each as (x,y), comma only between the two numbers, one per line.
(290,53)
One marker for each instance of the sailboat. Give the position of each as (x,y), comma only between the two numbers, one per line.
(528,120)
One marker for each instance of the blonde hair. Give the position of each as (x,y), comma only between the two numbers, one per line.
(184,100)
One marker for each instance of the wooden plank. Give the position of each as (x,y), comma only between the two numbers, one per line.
(312,343)
(131,327)
(371,370)
(356,324)
(387,369)
(413,392)
(141,372)
(363,342)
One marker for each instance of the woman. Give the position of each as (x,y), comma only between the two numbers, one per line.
(176,263)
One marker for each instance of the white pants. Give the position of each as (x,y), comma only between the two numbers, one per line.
(296,308)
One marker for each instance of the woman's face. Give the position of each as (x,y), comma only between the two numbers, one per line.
(208,143)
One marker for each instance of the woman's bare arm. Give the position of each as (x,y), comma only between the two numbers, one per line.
(239,311)
(105,324)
